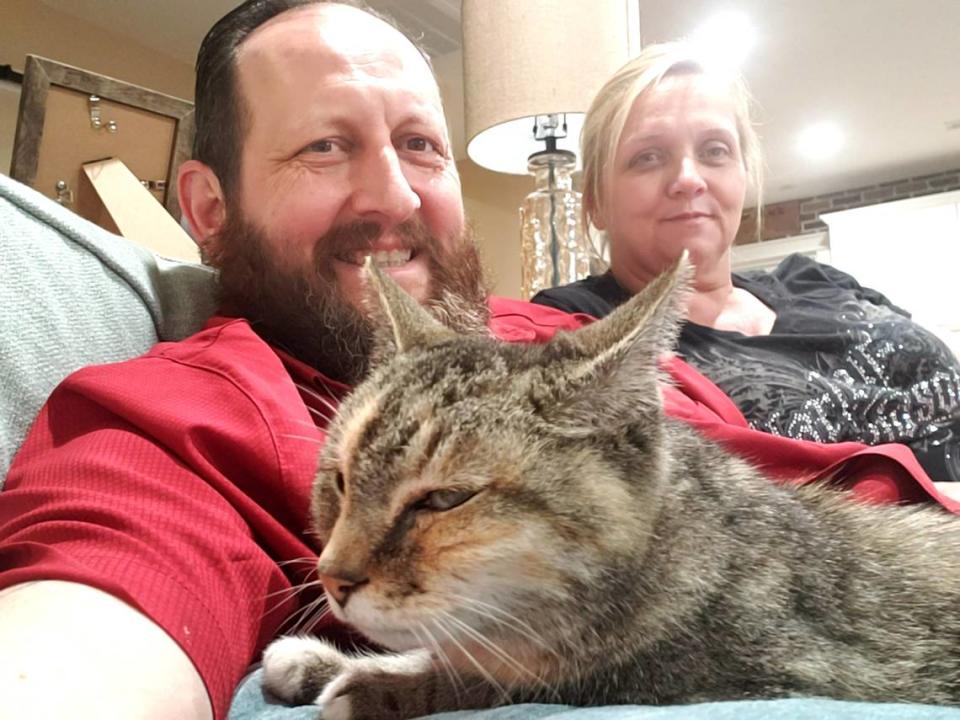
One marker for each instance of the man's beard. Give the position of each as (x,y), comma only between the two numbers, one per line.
(303,311)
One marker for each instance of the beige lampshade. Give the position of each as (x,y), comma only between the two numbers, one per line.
(523,58)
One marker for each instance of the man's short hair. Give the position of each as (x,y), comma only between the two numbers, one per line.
(222,114)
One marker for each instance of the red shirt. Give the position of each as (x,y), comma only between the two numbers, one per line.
(180,482)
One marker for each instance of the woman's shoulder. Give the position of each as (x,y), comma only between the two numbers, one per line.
(800,276)
(595,295)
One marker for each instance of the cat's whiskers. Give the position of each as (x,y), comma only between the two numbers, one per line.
(326,418)
(508,620)
(291,591)
(290,436)
(456,682)
(504,695)
(318,397)
(305,560)
(308,616)
(506,658)
(287,593)
(305,423)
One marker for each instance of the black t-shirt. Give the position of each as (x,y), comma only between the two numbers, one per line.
(841,362)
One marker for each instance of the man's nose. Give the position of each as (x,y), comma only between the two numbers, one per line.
(688,180)
(382,193)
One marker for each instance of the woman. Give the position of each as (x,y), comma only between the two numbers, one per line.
(804,350)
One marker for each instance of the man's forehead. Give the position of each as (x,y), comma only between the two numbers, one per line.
(333,38)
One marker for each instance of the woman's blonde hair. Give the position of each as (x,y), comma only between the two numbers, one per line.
(608,113)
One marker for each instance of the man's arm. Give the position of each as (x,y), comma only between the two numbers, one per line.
(71,651)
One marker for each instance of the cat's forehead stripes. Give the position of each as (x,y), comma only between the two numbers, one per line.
(354,430)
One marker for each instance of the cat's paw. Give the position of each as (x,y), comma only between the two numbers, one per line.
(297,669)
(377,687)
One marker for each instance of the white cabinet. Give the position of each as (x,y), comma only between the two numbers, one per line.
(768,254)
(910,251)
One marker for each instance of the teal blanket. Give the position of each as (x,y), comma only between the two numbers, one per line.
(249,704)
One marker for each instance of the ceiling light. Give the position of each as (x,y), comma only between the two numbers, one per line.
(725,40)
(820,141)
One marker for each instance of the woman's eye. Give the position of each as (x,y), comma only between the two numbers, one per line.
(441,500)
(648,157)
(716,151)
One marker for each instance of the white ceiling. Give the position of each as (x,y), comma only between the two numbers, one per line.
(887,71)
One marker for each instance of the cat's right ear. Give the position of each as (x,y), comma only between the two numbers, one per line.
(401,323)
(607,374)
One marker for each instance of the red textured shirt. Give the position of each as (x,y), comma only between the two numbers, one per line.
(180,481)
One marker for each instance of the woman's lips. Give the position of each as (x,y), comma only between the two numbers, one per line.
(687,216)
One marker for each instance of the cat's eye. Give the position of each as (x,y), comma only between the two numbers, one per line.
(339,482)
(441,500)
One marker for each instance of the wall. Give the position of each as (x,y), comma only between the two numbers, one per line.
(811,208)
(798,217)
(29,26)
(492,202)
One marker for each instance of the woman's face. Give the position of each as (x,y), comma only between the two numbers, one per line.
(678,179)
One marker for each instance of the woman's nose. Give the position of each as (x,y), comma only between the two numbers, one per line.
(382,193)
(688,180)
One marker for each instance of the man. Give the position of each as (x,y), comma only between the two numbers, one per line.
(154,526)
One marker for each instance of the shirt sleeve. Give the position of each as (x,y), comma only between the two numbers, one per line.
(173,487)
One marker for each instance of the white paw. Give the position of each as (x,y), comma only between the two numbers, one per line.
(333,704)
(295,669)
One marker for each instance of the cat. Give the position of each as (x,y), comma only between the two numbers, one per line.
(522,523)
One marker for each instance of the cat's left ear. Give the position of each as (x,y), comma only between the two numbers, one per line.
(402,324)
(606,374)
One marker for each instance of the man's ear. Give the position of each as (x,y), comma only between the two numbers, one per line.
(202,203)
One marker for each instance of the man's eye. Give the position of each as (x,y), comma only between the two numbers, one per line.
(418,144)
(321,146)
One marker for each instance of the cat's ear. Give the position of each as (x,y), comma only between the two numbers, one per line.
(402,324)
(608,374)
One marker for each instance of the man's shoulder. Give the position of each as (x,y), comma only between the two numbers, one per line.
(226,352)
(230,339)
(523,321)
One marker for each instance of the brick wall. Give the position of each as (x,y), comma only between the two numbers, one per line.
(808,214)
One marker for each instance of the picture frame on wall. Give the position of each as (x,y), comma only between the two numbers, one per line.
(70,117)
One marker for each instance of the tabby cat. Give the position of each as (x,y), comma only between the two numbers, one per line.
(522,523)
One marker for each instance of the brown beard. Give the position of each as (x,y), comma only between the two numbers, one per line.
(303,312)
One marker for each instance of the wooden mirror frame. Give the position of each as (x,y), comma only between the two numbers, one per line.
(40,73)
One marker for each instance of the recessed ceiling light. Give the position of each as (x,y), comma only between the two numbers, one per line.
(820,141)
(725,40)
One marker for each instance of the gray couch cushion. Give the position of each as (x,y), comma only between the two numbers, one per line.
(73,294)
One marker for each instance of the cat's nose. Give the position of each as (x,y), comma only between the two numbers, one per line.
(341,585)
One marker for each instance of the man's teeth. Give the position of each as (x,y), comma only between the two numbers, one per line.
(391,258)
